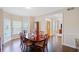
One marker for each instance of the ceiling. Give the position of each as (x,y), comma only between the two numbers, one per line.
(34,11)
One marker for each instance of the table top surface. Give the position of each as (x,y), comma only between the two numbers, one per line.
(33,38)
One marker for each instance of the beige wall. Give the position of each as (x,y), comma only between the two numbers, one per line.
(43,24)
(31,18)
(71,27)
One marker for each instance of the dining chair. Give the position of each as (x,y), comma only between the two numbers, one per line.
(43,44)
(22,44)
(46,42)
(28,44)
(40,45)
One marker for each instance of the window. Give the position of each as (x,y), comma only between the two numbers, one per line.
(16,27)
(54,27)
(26,23)
(7,29)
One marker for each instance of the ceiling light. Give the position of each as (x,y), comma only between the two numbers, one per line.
(28,7)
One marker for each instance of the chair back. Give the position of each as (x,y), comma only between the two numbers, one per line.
(46,42)
(46,38)
(22,37)
(43,43)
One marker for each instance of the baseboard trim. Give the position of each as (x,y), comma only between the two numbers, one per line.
(68,49)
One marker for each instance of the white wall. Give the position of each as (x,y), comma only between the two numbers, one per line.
(55,19)
(42,19)
(71,27)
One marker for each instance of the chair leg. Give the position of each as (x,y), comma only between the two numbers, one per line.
(42,49)
(22,47)
(46,49)
(25,48)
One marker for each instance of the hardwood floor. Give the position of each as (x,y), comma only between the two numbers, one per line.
(12,46)
(54,45)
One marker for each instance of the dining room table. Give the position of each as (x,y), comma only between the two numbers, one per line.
(35,44)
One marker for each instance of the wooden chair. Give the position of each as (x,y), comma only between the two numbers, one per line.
(22,45)
(46,42)
(40,45)
(28,43)
(43,43)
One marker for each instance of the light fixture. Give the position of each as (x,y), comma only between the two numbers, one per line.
(28,7)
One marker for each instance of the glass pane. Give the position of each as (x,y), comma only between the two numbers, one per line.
(7,29)
(16,27)
(25,23)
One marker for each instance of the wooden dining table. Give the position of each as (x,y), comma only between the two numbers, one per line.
(34,44)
